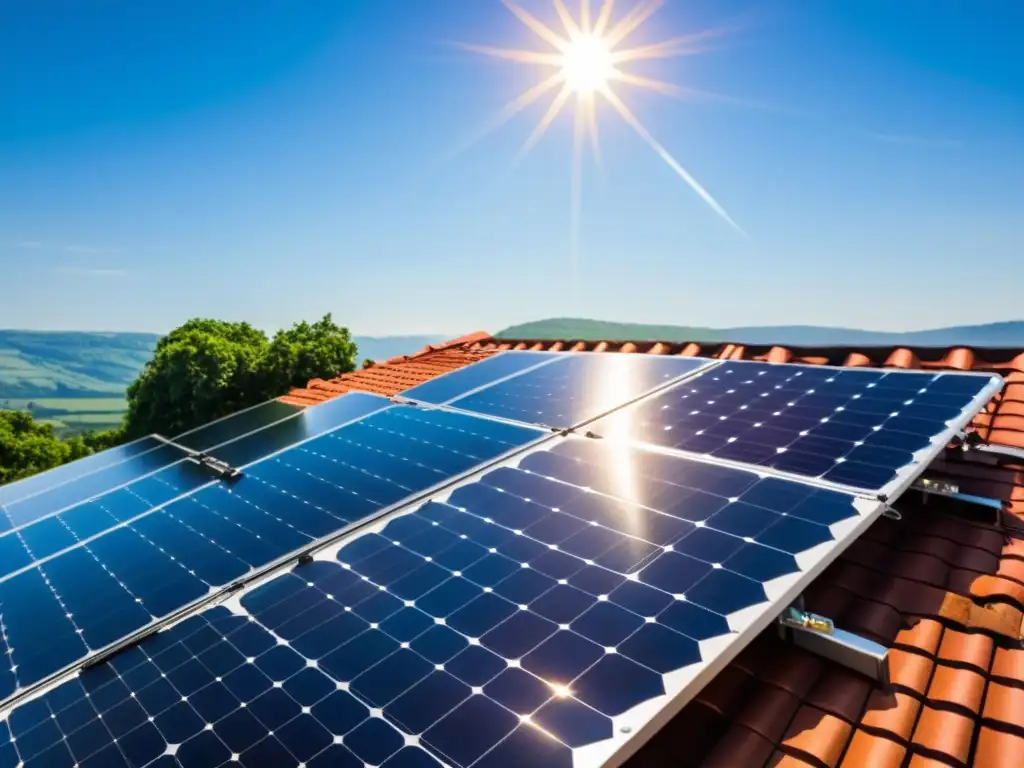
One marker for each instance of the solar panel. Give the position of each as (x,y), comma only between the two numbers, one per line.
(77,589)
(868,429)
(554,611)
(272,430)
(30,486)
(237,424)
(448,386)
(575,387)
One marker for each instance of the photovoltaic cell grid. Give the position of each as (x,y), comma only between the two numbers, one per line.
(520,621)
(31,531)
(117,564)
(245,437)
(575,387)
(855,427)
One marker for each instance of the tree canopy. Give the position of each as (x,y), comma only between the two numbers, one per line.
(27,446)
(206,369)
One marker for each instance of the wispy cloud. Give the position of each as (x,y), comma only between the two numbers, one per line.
(916,141)
(90,271)
(72,248)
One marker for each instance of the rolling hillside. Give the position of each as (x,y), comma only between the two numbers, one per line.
(47,365)
(1008,334)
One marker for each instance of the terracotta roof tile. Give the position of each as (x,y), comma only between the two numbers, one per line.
(1004,707)
(966,650)
(867,749)
(957,687)
(999,750)
(1008,666)
(841,693)
(739,746)
(910,672)
(768,712)
(817,735)
(945,734)
(944,591)
(891,714)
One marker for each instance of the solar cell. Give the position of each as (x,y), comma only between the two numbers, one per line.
(448,386)
(869,429)
(75,589)
(575,387)
(542,614)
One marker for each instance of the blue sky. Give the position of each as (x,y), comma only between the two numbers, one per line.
(274,161)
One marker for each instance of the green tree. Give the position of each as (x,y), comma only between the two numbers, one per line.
(27,447)
(307,351)
(201,371)
(206,369)
(369,363)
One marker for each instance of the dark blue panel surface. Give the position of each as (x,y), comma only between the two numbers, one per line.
(105,587)
(83,487)
(849,426)
(236,425)
(30,486)
(432,639)
(457,383)
(576,387)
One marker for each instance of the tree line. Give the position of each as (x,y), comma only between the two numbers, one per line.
(200,371)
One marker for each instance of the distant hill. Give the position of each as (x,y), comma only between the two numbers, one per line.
(71,364)
(380,348)
(50,364)
(1007,334)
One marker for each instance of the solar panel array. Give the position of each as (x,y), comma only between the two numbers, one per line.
(531,599)
(76,581)
(561,593)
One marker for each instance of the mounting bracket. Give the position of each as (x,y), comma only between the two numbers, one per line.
(821,636)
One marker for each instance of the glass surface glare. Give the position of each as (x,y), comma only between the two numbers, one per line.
(562,592)
(443,388)
(576,387)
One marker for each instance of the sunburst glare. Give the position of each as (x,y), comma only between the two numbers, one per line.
(587,55)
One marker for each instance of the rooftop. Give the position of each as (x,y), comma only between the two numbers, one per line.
(943,591)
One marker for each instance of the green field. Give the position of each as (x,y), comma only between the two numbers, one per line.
(68,415)
(70,404)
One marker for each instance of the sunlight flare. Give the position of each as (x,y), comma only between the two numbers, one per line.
(588,58)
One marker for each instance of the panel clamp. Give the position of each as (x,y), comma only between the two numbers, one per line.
(219,469)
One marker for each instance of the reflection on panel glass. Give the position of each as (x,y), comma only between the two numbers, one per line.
(857,427)
(89,576)
(304,425)
(441,389)
(236,425)
(101,481)
(576,387)
(524,600)
(97,461)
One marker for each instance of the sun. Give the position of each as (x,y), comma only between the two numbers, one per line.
(588,56)
(587,64)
